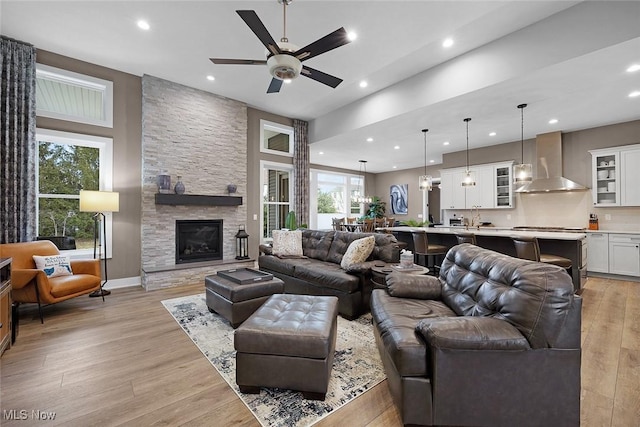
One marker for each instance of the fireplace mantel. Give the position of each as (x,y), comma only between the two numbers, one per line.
(197,199)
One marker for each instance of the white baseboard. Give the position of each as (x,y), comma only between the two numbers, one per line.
(125,282)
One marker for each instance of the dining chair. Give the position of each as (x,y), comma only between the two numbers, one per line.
(337,223)
(368,225)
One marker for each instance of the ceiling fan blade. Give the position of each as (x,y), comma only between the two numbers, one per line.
(321,77)
(331,41)
(274,86)
(250,17)
(221,61)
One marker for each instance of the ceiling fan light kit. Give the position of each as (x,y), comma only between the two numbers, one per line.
(284,66)
(284,59)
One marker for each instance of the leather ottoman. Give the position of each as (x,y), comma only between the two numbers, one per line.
(236,302)
(288,343)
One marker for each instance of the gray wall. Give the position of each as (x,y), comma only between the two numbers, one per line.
(126,134)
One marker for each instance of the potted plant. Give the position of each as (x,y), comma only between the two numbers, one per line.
(377,208)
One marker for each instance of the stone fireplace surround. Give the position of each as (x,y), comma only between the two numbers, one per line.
(203,138)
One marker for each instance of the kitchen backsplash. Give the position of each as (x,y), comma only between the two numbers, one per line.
(570,209)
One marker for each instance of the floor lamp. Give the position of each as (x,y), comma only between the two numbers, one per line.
(100,202)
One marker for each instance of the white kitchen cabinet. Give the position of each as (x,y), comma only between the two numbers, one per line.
(598,252)
(493,187)
(605,186)
(615,176)
(452,194)
(503,190)
(630,177)
(624,254)
(481,195)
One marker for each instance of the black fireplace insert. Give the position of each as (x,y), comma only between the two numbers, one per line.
(198,240)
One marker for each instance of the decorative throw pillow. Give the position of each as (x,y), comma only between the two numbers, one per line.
(287,243)
(54,265)
(357,252)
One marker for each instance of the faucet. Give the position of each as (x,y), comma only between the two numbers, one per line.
(475,218)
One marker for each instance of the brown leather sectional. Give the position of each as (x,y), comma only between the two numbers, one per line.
(492,341)
(319,272)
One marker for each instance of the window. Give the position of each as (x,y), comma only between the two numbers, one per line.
(276,182)
(61,94)
(331,197)
(276,138)
(67,163)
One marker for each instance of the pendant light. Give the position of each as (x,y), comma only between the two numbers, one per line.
(522,173)
(359,197)
(469,179)
(425,181)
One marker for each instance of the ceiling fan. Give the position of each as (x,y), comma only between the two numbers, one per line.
(285,59)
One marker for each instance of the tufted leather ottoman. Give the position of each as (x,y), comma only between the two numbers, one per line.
(289,343)
(236,302)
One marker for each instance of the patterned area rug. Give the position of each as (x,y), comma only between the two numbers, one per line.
(356,366)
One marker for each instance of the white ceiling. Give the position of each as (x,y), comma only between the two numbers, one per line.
(566,59)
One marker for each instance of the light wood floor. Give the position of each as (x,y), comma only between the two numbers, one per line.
(127,362)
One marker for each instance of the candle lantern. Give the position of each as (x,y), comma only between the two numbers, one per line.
(242,244)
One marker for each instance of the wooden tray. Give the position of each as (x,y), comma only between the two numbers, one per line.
(245,275)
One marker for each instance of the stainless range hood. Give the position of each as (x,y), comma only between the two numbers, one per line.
(548,176)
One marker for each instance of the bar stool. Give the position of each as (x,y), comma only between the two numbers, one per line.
(464,237)
(422,248)
(528,248)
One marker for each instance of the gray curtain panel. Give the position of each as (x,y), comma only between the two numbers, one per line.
(17,142)
(301,170)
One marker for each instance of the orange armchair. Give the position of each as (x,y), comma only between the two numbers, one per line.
(30,285)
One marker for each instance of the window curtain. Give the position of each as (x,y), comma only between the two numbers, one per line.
(17,141)
(301,170)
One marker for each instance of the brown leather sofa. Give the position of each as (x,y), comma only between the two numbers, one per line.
(30,285)
(492,341)
(319,272)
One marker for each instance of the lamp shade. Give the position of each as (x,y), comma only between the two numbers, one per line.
(425,183)
(99,201)
(522,173)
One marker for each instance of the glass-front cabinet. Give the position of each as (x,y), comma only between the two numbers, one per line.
(606,177)
(504,188)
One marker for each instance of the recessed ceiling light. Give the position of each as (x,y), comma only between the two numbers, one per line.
(553,121)
(352,35)
(210,78)
(397,147)
(394,167)
(321,152)
(364,83)
(445,143)
(633,68)
(432,161)
(492,134)
(634,94)
(287,81)
(369,139)
(448,42)
(143,25)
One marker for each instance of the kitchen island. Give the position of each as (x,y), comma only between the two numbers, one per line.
(571,245)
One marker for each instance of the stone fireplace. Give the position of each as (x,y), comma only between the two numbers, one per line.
(203,138)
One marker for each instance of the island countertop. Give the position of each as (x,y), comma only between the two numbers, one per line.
(491,231)
(571,245)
